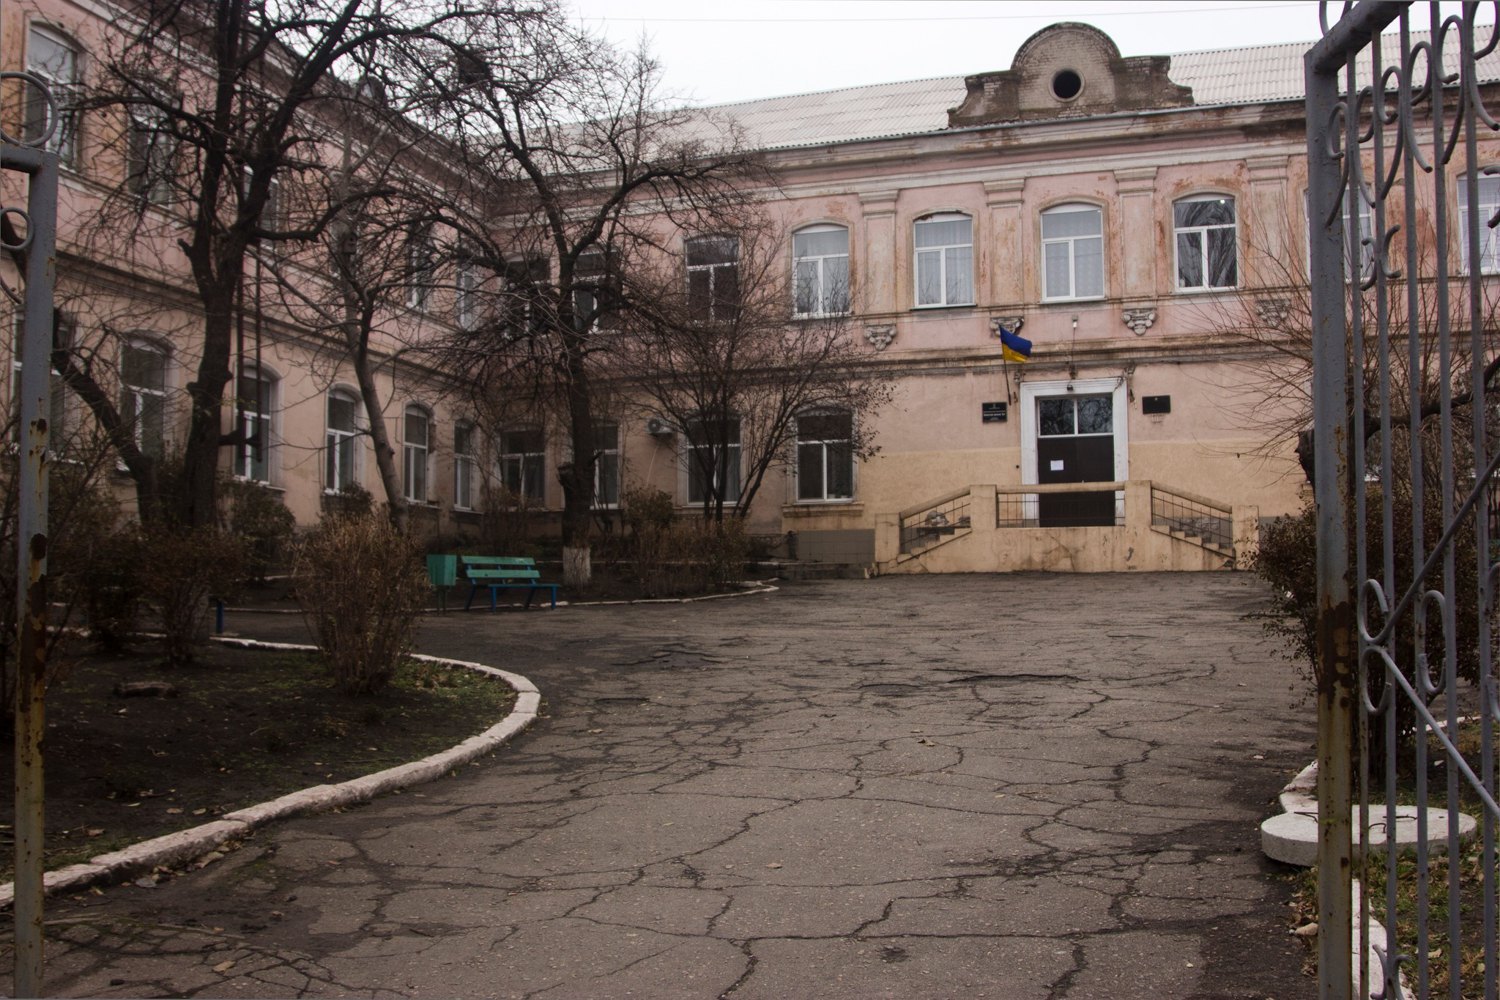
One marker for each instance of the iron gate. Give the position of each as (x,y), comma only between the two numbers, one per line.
(1405,261)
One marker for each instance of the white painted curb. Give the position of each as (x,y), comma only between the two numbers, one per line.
(184,845)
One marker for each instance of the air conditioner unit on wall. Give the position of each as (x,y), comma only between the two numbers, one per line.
(659,427)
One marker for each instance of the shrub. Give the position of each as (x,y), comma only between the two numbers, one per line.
(94,559)
(257,514)
(361,585)
(1287,560)
(352,501)
(183,570)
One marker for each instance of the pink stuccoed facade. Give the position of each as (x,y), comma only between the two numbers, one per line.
(1140,221)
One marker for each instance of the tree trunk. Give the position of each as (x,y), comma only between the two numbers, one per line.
(577,477)
(385,454)
(200,457)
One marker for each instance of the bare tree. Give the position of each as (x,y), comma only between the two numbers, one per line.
(721,357)
(592,175)
(217,106)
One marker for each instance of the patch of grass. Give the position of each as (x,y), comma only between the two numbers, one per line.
(245,727)
(1410,904)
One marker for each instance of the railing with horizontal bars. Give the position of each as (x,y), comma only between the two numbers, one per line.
(1060,505)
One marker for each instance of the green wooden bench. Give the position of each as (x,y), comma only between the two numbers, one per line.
(504,573)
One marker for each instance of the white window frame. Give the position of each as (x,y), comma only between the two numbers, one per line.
(1489,238)
(521,462)
(1366,229)
(64,89)
(1203,233)
(715,272)
(421,262)
(731,466)
(137,399)
(252,418)
(340,443)
(824,447)
(465,464)
(150,155)
(943,253)
(416,454)
(466,294)
(827,299)
(607,463)
(1072,245)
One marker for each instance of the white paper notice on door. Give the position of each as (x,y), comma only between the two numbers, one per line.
(1057,465)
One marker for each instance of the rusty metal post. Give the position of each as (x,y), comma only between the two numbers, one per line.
(31,558)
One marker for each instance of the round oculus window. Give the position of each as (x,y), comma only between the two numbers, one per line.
(1066,85)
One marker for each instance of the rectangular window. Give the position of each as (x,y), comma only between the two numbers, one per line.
(1366,240)
(825,457)
(1073,252)
(150,155)
(52,58)
(713,276)
(945,260)
(595,290)
(1206,248)
(415,448)
(143,396)
(339,471)
(523,463)
(252,456)
(1486,206)
(713,460)
(463,466)
(607,464)
(421,265)
(820,271)
(525,296)
(466,294)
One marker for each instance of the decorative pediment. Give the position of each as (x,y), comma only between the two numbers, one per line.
(1068,70)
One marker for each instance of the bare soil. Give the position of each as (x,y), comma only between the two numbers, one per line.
(243,727)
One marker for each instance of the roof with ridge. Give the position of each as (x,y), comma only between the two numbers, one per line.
(1218,77)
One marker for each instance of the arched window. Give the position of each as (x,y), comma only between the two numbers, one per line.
(255,400)
(416,452)
(53,57)
(820,271)
(143,394)
(945,260)
(1207,254)
(341,455)
(1072,252)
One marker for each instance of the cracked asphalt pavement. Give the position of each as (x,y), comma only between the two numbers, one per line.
(1012,786)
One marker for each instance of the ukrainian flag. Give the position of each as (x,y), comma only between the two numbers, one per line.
(1014,348)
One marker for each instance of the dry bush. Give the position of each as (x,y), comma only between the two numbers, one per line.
(361,584)
(184,570)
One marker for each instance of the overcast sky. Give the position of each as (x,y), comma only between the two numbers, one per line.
(713,52)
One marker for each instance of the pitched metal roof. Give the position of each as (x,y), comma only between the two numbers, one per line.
(1218,77)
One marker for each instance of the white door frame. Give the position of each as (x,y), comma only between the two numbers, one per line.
(1032,391)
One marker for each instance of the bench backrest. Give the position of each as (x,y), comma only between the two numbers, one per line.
(497,562)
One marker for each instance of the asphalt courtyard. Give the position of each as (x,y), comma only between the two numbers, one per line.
(1012,786)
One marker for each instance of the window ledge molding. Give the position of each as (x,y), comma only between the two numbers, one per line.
(814,508)
(945,305)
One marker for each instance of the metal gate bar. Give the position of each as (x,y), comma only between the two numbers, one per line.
(1404,629)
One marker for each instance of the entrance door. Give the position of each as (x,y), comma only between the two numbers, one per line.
(1075,443)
